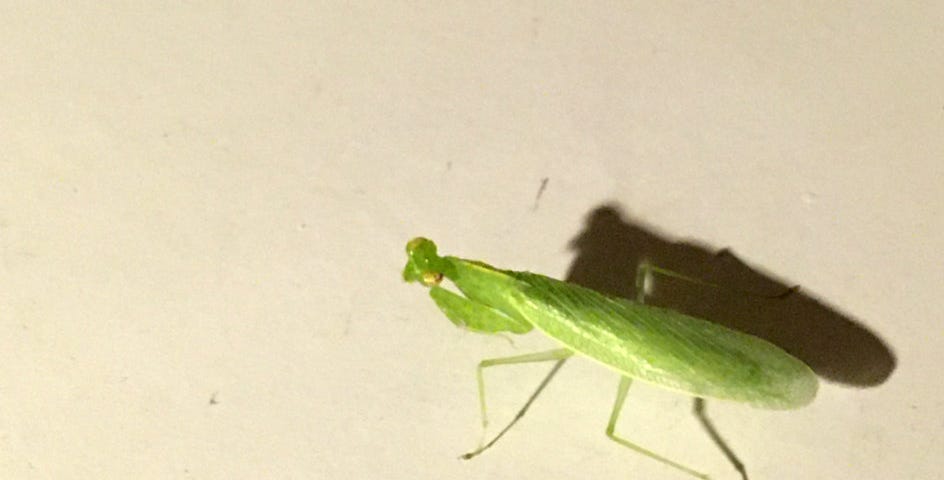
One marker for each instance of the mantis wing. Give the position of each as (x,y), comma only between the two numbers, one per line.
(664,347)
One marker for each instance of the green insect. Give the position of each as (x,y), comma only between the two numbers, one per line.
(658,346)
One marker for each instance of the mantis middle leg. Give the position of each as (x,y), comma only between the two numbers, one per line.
(560,354)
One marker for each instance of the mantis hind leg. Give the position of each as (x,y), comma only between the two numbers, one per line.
(611,427)
(699,409)
(643,273)
(560,354)
(645,270)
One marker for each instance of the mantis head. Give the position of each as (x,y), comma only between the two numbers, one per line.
(423,264)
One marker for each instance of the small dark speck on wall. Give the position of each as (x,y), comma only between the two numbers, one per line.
(537,198)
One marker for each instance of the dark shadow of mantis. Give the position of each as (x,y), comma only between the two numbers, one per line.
(611,247)
(834,345)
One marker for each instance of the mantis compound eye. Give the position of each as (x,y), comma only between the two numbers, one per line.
(431,278)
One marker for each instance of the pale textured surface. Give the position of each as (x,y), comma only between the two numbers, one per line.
(203,212)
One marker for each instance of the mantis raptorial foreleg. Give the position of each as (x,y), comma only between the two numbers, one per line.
(560,354)
(473,316)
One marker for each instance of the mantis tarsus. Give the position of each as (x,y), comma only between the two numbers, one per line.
(655,345)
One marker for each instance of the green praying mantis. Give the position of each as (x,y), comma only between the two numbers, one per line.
(655,345)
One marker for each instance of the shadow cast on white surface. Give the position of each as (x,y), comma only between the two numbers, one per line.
(837,347)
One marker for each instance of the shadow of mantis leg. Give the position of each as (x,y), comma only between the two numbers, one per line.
(611,426)
(560,354)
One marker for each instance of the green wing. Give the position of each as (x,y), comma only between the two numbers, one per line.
(665,347)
